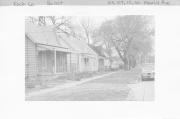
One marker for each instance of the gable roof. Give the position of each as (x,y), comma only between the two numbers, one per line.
(44,35)
(78,45)
(98,50)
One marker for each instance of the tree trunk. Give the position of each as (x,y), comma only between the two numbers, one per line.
(126,64)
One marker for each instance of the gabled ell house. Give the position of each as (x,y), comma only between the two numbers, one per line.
(48,54)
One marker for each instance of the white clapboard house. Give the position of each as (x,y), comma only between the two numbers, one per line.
(49,54)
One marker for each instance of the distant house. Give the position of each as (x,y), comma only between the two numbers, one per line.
(103,59)
(44,53)
(116,62)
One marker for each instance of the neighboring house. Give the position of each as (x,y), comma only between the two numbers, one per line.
(103,59)
(116,62)
(45,54)
(86,58)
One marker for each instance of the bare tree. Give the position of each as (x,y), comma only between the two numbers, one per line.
(129,35)
(61,24)
(87,27)
(102,40)
(42,21)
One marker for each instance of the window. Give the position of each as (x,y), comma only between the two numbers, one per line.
(86,61)
(46,61)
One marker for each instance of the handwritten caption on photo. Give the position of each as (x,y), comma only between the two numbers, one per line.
(138,2)
(48,2)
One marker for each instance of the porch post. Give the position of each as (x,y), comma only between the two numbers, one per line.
(54,61)
(78,63)
(70,62)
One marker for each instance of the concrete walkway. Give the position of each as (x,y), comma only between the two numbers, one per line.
(142,91)
(64,86)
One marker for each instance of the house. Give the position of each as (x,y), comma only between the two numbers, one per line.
(116,63)
(48,54)
(103,59)
(85,58)
(45,54)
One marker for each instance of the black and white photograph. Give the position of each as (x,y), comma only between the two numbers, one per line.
(87,2)
(63,59)
(86,58)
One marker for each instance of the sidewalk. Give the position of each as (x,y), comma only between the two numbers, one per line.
(142,91)
(66,85)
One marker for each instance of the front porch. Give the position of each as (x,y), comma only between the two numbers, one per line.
(52,61)
(53,65)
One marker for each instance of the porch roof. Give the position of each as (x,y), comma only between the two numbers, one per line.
(46,47)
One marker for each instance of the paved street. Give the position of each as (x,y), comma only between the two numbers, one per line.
(121,85)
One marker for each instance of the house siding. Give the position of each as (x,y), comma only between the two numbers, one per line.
(91,66)
(72,62)
(101,64)
(30,59)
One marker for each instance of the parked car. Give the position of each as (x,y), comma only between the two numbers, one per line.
(147,72)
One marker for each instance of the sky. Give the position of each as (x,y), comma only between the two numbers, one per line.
(95,20)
